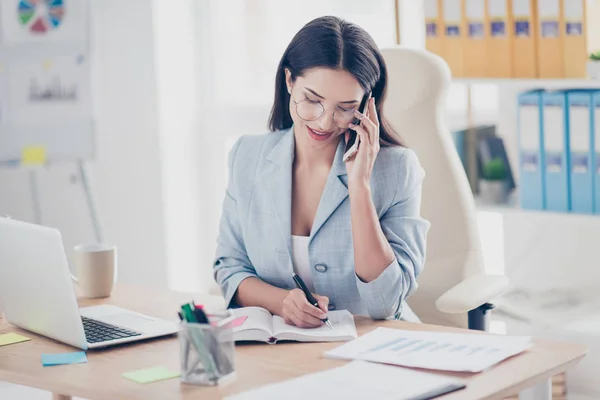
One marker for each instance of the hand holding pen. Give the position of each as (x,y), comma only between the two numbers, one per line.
(303,309)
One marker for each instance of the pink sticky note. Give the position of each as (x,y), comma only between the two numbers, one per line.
(236,322)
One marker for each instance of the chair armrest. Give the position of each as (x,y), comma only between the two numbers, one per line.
(471,293)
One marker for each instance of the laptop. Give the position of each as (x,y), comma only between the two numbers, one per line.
(37,294)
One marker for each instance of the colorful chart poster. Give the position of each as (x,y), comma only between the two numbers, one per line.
(43,21)
(50,90)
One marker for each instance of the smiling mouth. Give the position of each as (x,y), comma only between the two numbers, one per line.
(319,135)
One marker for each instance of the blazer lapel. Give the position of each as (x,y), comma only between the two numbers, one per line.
(335,192)
(278,180)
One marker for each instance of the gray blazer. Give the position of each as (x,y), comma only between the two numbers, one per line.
(255,229)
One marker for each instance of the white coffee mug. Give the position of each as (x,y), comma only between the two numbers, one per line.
(95,269)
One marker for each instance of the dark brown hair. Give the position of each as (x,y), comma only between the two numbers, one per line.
(331,42)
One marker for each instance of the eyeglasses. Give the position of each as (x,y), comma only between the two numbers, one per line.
(310,110)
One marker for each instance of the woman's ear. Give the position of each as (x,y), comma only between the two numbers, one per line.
(288,80)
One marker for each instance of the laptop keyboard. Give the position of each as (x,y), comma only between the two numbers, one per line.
(96,331)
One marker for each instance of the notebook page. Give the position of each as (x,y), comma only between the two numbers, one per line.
(257,319)
(358,380)
(341,320)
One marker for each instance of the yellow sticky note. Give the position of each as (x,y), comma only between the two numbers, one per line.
(33,155)
(47,65)
(11,338)
(151,375)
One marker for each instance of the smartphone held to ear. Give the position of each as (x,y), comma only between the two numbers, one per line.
(353,139)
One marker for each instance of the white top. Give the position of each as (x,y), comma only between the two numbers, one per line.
(300,260)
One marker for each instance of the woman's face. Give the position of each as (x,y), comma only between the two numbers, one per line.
(322,104)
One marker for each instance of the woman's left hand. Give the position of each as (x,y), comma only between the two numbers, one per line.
(360,166)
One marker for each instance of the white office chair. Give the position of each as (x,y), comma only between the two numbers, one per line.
(453,288)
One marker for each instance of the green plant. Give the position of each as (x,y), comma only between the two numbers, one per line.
(595,56)
(494,170)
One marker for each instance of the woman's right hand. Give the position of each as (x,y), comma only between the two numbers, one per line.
(298,311)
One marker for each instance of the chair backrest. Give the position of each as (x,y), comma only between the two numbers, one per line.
(418,83)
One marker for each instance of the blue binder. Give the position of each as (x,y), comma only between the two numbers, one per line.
(555,127)
(531,155)
(581,122)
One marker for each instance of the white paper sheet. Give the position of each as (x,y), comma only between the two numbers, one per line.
(50,90)
(432,350)
(356,380)
(341,320)
(257,318)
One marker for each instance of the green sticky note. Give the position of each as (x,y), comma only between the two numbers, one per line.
(11,338)
(151,375)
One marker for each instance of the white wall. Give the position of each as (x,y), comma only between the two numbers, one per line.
(176,64)
(239,45)
(126,175)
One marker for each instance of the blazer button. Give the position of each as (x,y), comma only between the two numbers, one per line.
(331,307)
(321,267)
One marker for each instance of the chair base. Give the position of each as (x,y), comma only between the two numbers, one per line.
(478,317)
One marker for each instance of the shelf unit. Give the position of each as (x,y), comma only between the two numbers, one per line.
(548,83)
(508,87)
(516,211)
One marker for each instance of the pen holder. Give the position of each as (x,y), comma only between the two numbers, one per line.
(207,353)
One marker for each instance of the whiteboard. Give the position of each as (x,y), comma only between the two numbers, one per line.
(45,79)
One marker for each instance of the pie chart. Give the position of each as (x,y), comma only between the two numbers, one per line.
(41,16)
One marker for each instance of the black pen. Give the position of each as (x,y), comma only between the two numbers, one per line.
(311,299)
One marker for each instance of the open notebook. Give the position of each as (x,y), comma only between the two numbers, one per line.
(258,324)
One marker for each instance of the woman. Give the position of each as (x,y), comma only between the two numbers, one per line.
(351,230)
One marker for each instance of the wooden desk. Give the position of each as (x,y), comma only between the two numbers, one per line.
(257,364)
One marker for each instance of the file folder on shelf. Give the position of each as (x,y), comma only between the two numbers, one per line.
(531,156)
(476,46)
(499,56)
(524,38)
(550,39)
(580,143)
(454,36)
(575,39)
(555,128)
(433,27)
